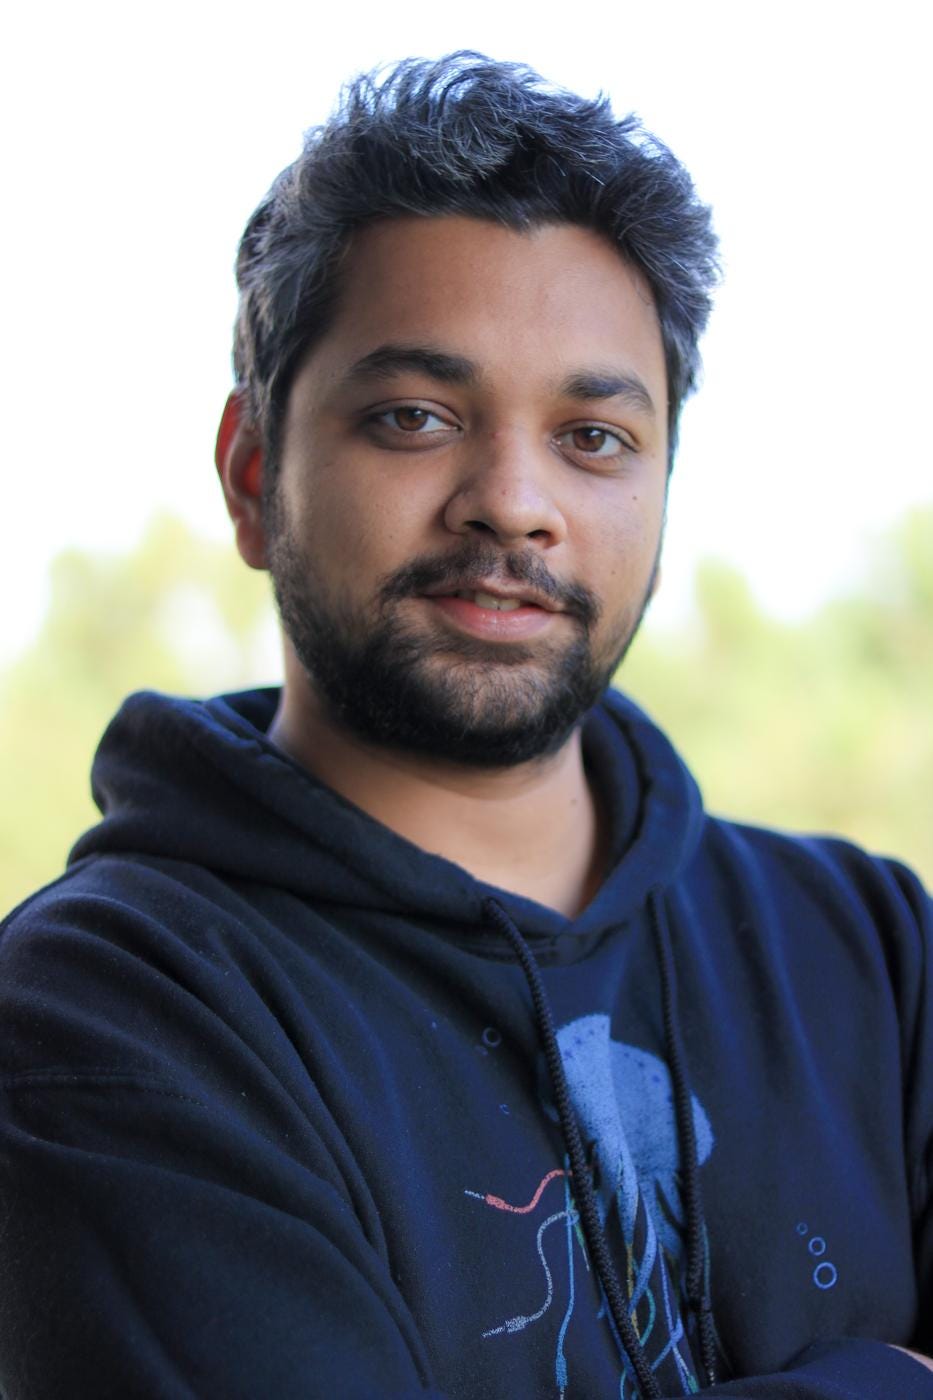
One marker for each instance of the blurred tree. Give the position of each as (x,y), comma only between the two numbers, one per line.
(176,613)
(823,725)
(820,726)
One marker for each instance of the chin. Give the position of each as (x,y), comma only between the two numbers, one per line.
(459,701)
(471,713)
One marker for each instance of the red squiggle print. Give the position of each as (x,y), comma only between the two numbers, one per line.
(500,1204)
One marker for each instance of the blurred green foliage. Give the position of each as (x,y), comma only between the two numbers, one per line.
(177,613)
(823,725)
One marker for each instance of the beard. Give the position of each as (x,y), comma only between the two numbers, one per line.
(452,698)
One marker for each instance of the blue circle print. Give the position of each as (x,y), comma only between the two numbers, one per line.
(824,1275)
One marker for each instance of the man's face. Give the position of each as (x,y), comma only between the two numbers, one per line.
(465,529)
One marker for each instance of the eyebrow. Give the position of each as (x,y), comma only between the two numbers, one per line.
(607,384)
(598,384)
(396,359)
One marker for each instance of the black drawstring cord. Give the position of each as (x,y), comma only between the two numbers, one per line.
(583,1188)
(698,1295)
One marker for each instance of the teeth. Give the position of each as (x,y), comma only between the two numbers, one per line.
(487,600)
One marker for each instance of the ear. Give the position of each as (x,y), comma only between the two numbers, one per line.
(239,460)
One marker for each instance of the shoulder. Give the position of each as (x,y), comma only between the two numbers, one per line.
(107,962)
(831,909)
(139,904)
(834,872)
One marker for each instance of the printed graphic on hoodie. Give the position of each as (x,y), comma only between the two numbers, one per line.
(624,1104)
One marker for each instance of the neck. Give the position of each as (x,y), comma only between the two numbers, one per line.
(535,830)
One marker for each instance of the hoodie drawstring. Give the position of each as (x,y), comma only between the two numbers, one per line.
(583,1187)
(697,1281)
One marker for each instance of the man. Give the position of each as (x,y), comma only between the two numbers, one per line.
(414,1031)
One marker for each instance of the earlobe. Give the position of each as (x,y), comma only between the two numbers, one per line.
(239,460)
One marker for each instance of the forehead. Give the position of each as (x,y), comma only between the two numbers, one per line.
(527,308)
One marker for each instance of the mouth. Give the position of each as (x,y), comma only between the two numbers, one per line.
(497,600)
(494,614)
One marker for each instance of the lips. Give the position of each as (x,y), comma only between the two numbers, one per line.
(496,600)
(472,612)
(489,600)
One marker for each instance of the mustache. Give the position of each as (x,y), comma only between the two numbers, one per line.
(478,560)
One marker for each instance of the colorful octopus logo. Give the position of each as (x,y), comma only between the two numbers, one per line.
(624,1104)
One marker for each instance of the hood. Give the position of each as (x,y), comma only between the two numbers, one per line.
(199,782)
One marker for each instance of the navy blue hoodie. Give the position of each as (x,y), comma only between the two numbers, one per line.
(290,1107)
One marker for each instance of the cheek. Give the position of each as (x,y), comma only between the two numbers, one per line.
(625,540)
(356,531)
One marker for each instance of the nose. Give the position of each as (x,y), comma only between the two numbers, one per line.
(507,490)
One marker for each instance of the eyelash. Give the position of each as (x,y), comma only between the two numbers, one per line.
(379,420)
(609,433)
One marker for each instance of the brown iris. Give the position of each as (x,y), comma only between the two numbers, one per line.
(409,419)
(589,439)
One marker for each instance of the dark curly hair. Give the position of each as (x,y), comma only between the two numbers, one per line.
(464,135)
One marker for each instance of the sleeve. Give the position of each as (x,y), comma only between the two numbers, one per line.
(845,1370)
(150,1248)
(916,976)
(174,1221)
(862,1369)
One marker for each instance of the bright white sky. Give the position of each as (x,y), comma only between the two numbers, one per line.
(141,136)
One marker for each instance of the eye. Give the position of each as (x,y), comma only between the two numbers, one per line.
(409,418)
(590,440)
